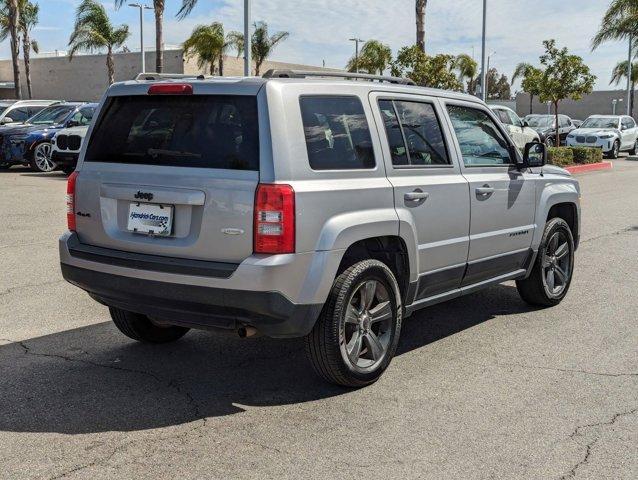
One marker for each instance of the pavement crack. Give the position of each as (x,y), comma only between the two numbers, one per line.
(610,234)
(590,445)
(21,287)
(564,370)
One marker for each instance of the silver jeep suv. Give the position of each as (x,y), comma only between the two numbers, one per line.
(298,205)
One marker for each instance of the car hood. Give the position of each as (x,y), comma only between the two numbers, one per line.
(595,131)
(33,129)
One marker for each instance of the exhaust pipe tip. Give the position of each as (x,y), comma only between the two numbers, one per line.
(247,331)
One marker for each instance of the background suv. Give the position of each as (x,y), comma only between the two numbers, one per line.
(323,208)
(612,133)
(518,129)
(545,126)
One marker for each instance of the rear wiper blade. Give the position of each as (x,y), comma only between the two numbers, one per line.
(155,152)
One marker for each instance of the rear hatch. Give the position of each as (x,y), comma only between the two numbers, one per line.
(172,174)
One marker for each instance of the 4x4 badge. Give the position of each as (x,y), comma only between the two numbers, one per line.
(144,195)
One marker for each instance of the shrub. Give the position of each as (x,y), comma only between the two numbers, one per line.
(584,155)
(560,156)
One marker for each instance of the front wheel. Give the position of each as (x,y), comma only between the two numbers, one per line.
(41,159)
(549,141)
(551,274)
(615,150)
(357,333)
(634,149)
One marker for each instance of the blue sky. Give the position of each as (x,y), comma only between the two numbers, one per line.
(320,28)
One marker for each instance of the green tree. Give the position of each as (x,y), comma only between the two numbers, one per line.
(564,76)
(530,83)
(420,6)
(93,30)
(263,44)
(12,9)
(373,58)
(158,10)
(467,69)
(430,71)
(498,87)
(620,72)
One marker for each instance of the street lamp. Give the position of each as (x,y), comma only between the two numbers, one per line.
(487,72)
(247,40)
(356,41)
(142,8)
(614,102)
(483,73)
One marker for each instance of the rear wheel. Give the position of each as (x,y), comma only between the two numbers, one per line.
(139,327)
(41,159)
(357,333)
(552,272)
(634,149)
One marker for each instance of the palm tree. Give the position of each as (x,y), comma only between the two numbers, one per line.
(373,58)
(262,44)
(620,22)
(28,20)
(93,30)
(13,24)
(530,75)
(467,68)
(207,43)
(158,10)
(420,23)
(620,72)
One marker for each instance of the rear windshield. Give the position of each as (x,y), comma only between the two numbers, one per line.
(210,131)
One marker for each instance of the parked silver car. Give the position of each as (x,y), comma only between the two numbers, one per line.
(612,133)
(321,208)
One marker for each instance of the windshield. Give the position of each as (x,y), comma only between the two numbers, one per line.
(600,123)
(545,121)
(52,115)
(3,109)
(211,131)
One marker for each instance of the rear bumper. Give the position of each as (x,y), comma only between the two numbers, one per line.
(280,295)
(197,307)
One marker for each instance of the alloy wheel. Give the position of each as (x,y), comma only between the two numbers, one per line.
(367,329)
(557,268)
(42,157)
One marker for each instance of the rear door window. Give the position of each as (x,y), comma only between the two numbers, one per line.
(206,131)
(337,133)
(414,133)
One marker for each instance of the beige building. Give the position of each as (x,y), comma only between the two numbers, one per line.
(85,77)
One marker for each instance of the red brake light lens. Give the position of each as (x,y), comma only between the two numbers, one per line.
(170,89)
(70,201)
(274,225)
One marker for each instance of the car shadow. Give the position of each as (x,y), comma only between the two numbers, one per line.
(93,379)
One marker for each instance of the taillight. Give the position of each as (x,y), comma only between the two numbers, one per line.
(70,201)
(170,89)
(274,229)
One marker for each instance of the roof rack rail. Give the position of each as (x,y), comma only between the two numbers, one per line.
(276,73)
(159,76)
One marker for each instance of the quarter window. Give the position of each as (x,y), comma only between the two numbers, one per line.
(414,133)
(481,142)
(337,133)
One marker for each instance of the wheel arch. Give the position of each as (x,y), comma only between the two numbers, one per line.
(558,200)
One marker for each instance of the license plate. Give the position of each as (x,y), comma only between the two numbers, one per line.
(150,218)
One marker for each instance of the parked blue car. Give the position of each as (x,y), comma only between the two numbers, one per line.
(30,144)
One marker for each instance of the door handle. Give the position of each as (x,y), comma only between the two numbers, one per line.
(484,191)
(416,196)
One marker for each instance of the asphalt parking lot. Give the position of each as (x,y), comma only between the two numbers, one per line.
(482,386)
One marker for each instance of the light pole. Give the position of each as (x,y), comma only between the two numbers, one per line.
(614,103)
(142,8)
(483,73)
(487,78)
(247,40)
(356,41)
(629,72)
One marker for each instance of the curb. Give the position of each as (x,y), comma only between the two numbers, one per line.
(589,167)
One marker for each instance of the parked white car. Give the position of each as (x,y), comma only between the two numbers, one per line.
(65,147)
(16,112)
(518,129)
(612,133)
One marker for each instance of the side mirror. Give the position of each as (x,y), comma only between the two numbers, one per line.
(525,124)
(623,127)
(72,123)
(535,155)
(7,120)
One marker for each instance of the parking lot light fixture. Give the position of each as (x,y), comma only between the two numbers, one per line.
(142,8)
(247,40)
(356,41)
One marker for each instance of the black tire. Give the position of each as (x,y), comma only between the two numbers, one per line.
(4,166)
(327,344)
(67,169)
(40,149)
(633,151)
(139,327)
(549,142)
(615,150)
(535,289)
